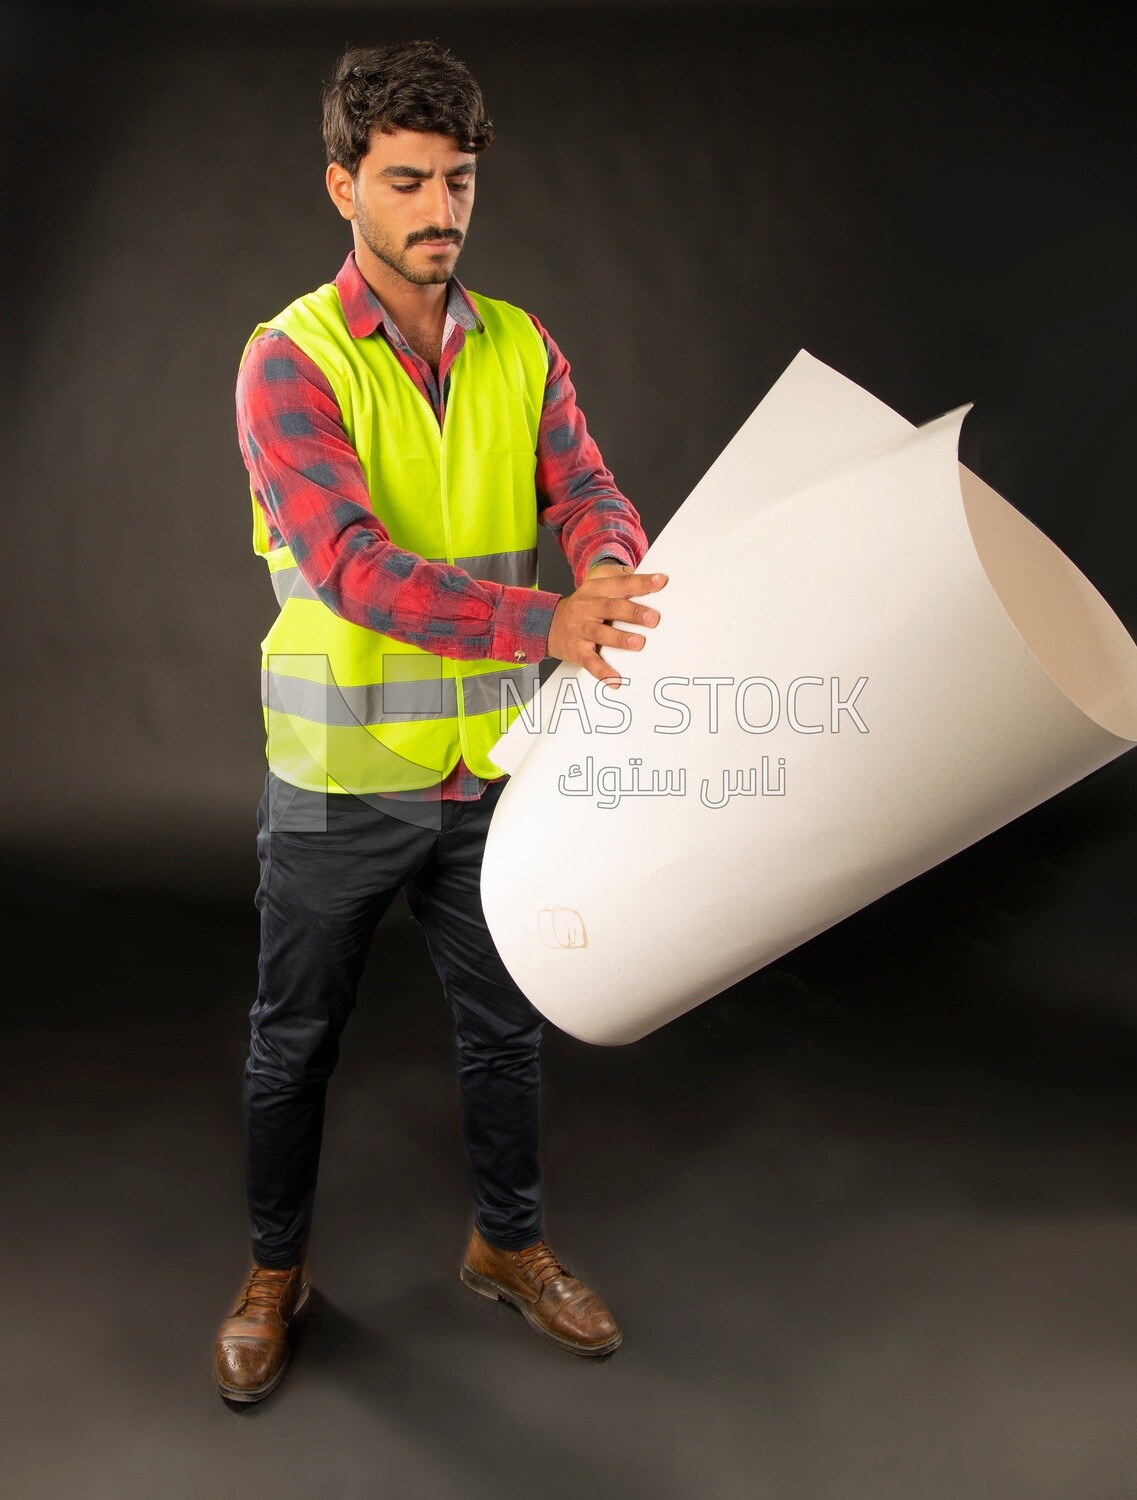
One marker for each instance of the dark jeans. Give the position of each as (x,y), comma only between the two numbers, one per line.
(321,896)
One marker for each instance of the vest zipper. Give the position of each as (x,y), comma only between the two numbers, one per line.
(443,403)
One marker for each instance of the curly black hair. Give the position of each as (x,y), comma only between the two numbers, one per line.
(404,86)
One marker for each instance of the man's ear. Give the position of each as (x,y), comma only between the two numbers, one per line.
(339,185)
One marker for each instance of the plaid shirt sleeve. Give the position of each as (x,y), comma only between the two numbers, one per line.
(577,496)
(308,477)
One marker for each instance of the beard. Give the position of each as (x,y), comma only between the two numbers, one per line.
(385,248)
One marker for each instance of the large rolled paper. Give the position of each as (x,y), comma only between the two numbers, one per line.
(907,664)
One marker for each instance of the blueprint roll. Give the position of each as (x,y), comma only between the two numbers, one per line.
(866,661)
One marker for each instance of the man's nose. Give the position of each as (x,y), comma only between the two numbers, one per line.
(442,205)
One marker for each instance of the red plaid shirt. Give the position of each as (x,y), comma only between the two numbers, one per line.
(306,476)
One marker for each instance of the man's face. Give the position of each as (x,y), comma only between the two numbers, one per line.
(411,202)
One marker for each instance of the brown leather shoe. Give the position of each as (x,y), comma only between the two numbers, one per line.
(545,1292)
(252,1349)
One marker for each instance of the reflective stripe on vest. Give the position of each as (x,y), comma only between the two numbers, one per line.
(395,702)
(352,709)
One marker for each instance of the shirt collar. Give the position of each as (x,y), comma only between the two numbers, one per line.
(363,312)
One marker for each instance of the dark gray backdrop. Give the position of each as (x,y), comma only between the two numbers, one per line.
(867,1218)
(936,200)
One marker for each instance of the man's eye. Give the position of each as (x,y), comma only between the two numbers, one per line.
(460,184)
(408,187)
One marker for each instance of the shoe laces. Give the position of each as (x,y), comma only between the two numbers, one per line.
(266,1289)
(541,1261)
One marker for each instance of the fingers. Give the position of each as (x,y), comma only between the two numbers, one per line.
(623,585)
(634,614)
(599,668)
(603,634)
(590,618)
(618,606)
(606,635)
(615,602)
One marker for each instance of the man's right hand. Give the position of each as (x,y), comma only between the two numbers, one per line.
(582,621)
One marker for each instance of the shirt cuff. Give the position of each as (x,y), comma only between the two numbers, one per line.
(521,625)
(612,552)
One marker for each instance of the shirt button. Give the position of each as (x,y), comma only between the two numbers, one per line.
(519,656)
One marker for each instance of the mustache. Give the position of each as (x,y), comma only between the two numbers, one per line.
(430,233)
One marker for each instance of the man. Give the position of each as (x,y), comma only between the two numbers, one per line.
(403,437)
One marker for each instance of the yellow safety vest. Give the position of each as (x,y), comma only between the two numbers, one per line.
(351,709)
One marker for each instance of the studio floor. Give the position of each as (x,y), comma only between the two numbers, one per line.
(868,1220)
